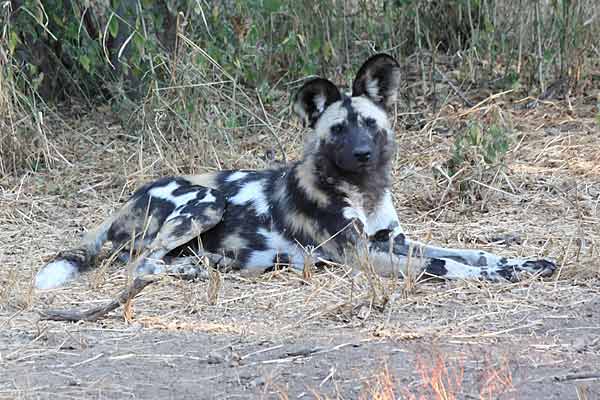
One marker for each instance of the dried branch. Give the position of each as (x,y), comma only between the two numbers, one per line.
(456,90)
(96,313)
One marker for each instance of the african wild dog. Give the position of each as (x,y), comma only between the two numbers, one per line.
(333,205)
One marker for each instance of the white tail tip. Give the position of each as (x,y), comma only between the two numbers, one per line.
(55,274)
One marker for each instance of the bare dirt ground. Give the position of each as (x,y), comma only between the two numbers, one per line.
(333,335)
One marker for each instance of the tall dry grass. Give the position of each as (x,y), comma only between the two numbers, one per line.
(198,74)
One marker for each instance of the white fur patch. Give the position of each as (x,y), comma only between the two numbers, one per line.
(276,244)
(384,217)
(164,192)
(456,270)
(55,274)
(319,102)
(373,89)
(355,213)
(208,198)
(252,192)
(471,256)
(236,176)
(367,109)
(355,209)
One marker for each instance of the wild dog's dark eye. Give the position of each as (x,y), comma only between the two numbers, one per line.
(370,122)
(337,129)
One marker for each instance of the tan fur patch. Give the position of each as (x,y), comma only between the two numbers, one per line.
(334,114)
(134,221)
(234,242)
(299,224)
(307,175)
(366,109)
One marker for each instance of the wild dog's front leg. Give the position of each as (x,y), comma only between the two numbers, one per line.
(389,259)
(490,264)
(391,248)
(461,263)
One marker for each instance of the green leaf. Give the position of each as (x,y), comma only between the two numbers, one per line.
(139,44)
(113,27)
(85,62)
(13,41)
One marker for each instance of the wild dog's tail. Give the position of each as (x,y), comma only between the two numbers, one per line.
(69,263)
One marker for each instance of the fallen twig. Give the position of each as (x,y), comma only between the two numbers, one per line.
(577,377)
(99,312)
(456,90)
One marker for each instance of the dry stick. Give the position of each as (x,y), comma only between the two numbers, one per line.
(99,312)
(578,377)
(456,90)
(477,106)
(126,295)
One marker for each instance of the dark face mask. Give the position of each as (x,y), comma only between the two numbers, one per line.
(355,147)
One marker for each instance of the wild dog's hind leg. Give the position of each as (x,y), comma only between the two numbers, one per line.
(186,223)
(156,219)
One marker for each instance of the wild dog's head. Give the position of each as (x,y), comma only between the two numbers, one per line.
(353,134)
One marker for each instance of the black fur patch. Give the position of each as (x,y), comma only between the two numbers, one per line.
(77,257)
(351,114)
(307,97)
(508,273)
(436,267)
(382,235)
(381,71)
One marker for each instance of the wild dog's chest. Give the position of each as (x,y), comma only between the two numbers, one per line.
(356,207)
(374,212)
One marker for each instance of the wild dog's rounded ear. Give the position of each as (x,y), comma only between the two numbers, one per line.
(379,80)
(313,98)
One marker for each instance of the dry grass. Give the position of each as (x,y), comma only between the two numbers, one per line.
(546,203)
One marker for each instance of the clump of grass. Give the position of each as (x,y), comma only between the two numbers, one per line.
(174,69)
(477,156)
(23,140)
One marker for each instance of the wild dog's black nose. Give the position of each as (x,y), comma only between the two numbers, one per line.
(362,154)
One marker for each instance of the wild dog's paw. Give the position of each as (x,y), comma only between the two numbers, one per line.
(188,268)
(148,266)
(516,272)
(541,267)
(56,273)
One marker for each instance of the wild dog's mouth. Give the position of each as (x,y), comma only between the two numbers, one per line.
(355,167)
(356,160)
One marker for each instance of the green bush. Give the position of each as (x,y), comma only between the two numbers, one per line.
(477,155)
(82,48)
(481,144)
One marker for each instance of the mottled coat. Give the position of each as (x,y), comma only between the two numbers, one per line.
(334,205)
